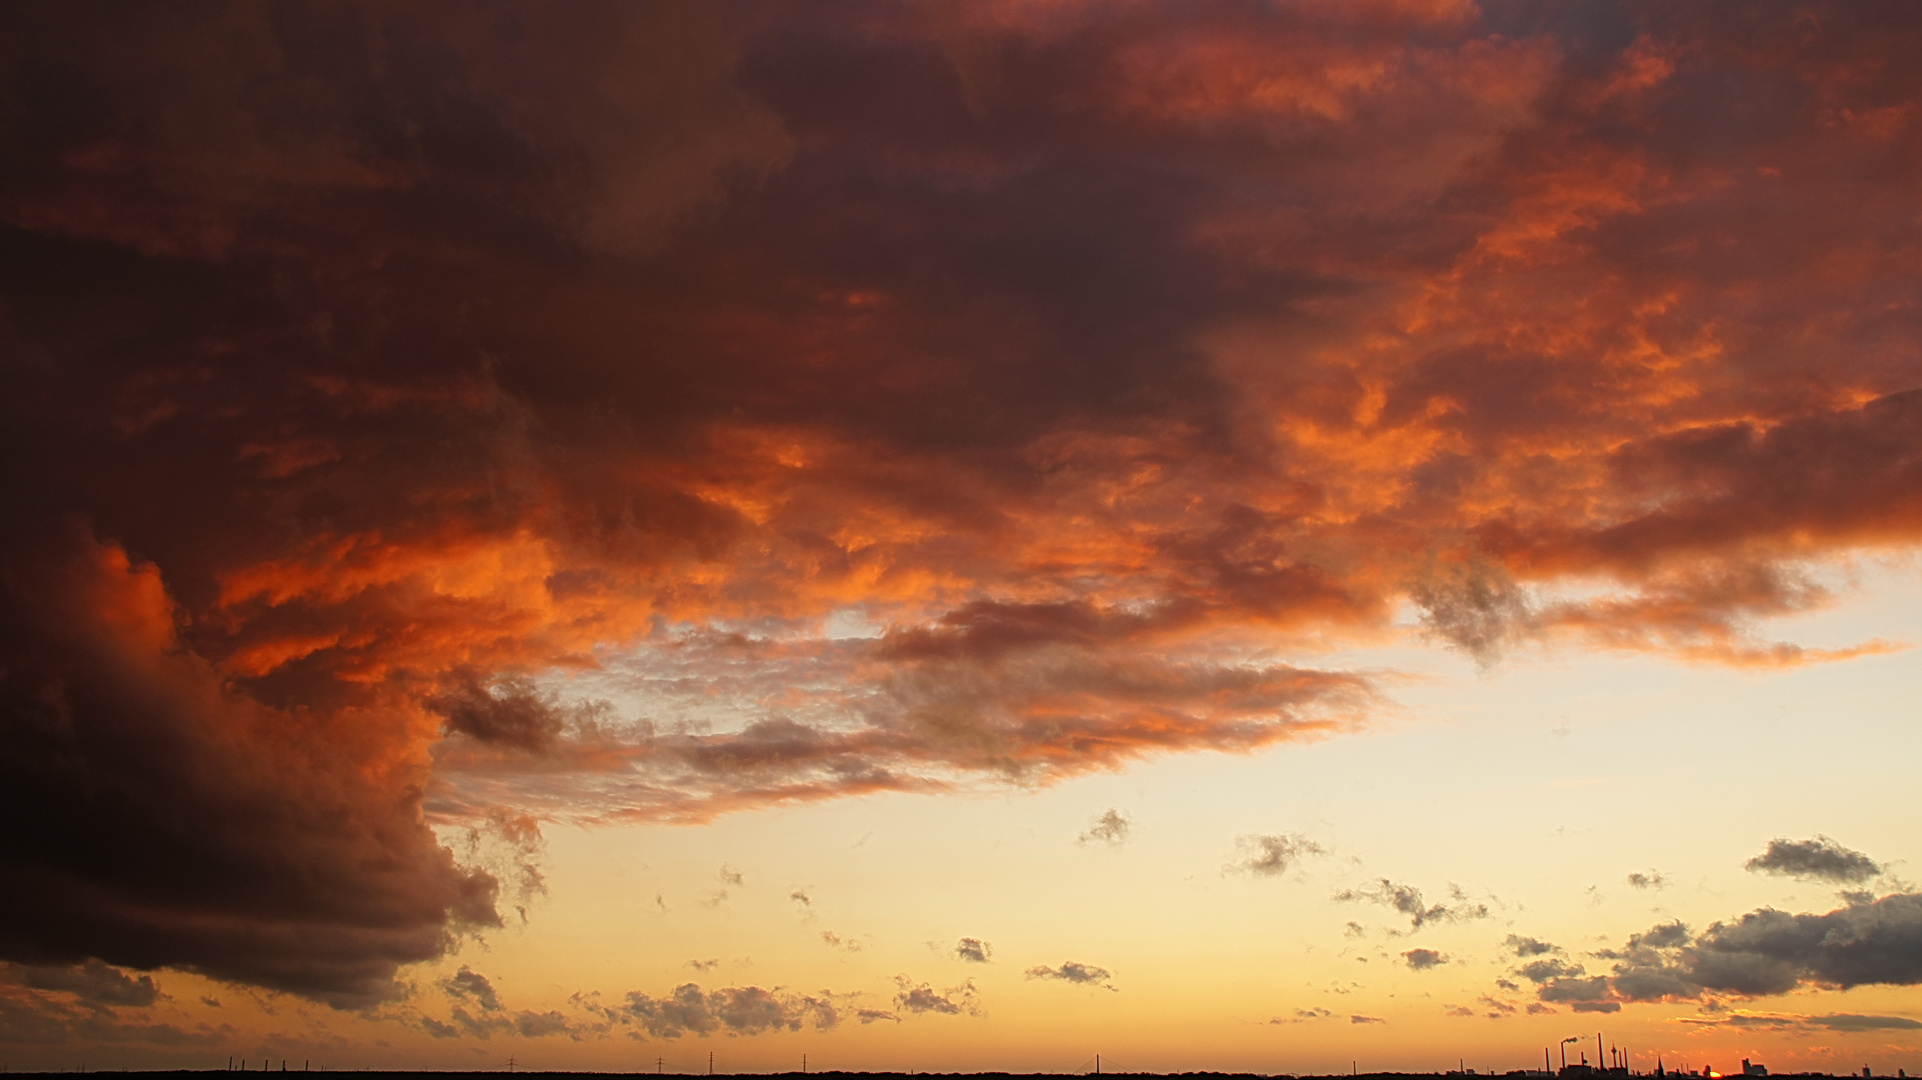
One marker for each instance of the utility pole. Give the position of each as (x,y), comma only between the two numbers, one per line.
(804,1064)
(510,1063)
(1097,1064)
(710,1063)
(658,1061)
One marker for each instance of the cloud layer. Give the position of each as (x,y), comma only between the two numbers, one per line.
(1763,953)
(645,412)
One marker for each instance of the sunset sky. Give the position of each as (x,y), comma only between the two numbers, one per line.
(1285,535)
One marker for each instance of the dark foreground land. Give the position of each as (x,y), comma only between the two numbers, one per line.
(827,1075)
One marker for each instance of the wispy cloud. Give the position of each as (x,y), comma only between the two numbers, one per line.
(1110,827)
(1073,971)
(1274,854)
(919,997)
(1408,900)
(736,1010)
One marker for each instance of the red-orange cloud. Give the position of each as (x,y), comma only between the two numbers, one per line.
(643,413)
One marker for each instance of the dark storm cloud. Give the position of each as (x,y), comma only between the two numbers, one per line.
(372,371)
(150,191)
(197,827)
(1820,859)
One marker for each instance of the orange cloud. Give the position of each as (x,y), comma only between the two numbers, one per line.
(645,414)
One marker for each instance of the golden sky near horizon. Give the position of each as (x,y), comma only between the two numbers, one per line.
(1228,534)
